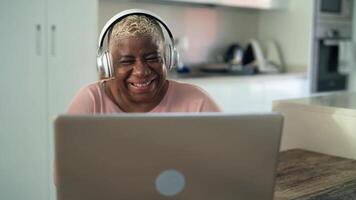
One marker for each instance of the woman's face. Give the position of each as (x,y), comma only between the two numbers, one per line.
(140,72)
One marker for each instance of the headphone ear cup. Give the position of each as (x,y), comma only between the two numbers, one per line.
(109,66)
(168,56)
(104,65)
(175,57)
(100,65)
(171,56)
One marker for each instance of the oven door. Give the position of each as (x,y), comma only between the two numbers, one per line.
(331,66)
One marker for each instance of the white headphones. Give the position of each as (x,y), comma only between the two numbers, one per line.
(104,62)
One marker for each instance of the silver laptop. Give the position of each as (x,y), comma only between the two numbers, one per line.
(167,156)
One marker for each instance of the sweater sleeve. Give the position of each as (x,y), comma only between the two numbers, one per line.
(209,105)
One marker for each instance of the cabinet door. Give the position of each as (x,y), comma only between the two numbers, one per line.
(259,4)
(23,117)
(252,94)
(72,40)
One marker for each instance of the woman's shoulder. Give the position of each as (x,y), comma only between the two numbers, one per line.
(86,99)
(93,89)
(93,86)
(192,97)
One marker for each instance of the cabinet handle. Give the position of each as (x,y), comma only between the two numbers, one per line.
(38,39)
(53,40)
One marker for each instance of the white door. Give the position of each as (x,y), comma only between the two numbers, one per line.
(23,117)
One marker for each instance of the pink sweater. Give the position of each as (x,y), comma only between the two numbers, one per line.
(180,97)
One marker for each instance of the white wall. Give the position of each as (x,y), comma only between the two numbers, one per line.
(208,29)
(292,29)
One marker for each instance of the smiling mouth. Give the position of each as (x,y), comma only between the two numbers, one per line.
(142,85)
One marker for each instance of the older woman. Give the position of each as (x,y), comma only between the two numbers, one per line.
(136,44)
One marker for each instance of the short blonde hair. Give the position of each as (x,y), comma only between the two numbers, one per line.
(136,25)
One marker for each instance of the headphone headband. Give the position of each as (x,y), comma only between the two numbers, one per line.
(126,13)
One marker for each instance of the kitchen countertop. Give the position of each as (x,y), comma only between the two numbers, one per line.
(201,72)
(323,123)
(227,76)
(254,93)
(334,102)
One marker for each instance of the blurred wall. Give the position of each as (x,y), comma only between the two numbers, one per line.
(292,29)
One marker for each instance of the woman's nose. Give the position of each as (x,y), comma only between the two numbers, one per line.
(140,68)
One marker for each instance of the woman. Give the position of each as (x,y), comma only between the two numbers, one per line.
(137,47)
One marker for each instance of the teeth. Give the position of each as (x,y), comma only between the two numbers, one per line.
(141,84)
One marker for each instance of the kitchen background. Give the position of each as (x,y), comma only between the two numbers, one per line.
(210,30)
(48,51)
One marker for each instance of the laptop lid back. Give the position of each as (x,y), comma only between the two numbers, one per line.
(167,156)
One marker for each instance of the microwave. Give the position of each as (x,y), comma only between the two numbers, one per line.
(335,9)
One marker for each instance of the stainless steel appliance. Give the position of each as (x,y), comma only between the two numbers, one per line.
(332,41)
(334,9)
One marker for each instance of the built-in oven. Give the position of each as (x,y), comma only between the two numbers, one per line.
(334,9)
(333,50)
(333,66)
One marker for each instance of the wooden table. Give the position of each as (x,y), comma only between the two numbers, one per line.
(303,175)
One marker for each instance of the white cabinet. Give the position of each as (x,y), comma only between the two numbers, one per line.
(72,40)
(254,93)
(23,125)
(322,123)
(257,4)
(47,52)
(196,1)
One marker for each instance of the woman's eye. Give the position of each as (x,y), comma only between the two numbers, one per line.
(153,59)
(126,62)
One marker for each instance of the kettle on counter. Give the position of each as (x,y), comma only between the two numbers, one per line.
(268,61)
